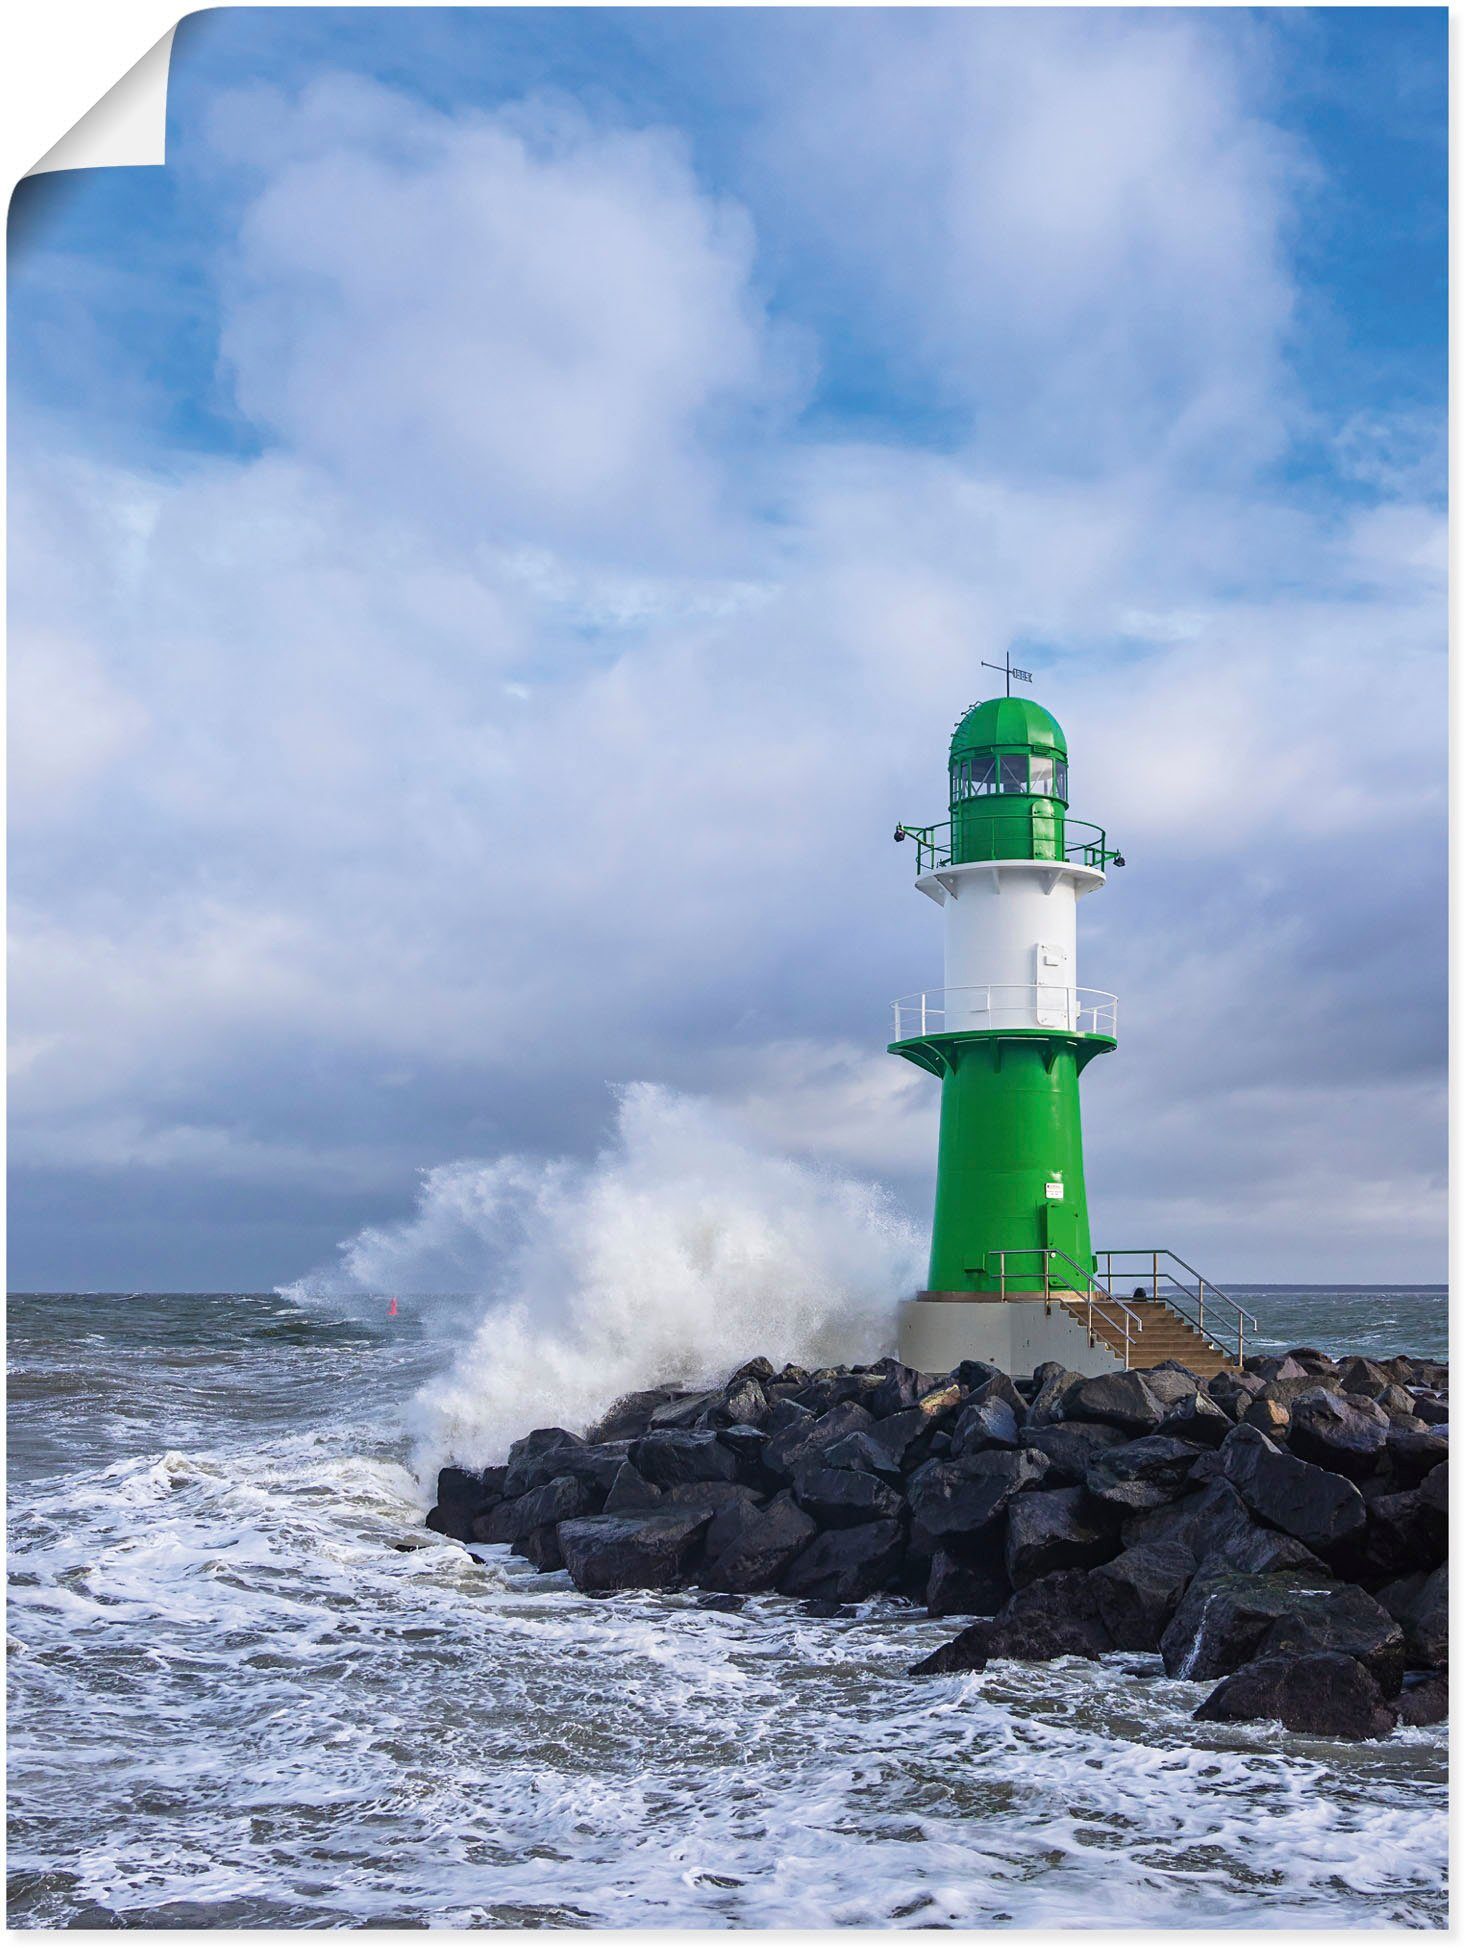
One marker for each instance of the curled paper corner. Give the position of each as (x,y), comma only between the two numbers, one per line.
(127,127)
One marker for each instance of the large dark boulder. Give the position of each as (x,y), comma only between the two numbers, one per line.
(1054,1382)
(1071,1445)
(682,1410)
(595,1465)
(900,1388)
(541,1547)
(1123,1400)
(1054,1617)
(997,1386)
(1139,1592)
(668,1456)
(844,1565)
(630,1415)
(1057,1528)
(1197,1418)
(1410,1457)
(961,1497)
(841,1498)
(1427,1702)
(1419,1604)
(748,1548)
(557,1501)
(539,1441)
(1143,1473)
(1326,1694)
(629,1489)
(864,1454)
(464,1493)
(983,1424)
(628,1552)
(957,1585)
(1362,1376)
(800,1441)
(1227,1618)
(1345,1436)
(742,1403)
(1319,1508)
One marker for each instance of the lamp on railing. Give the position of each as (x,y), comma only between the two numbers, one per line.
(900,833)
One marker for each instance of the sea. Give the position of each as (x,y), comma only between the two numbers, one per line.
(248,1689)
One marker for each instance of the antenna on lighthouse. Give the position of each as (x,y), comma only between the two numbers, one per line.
(1009,669)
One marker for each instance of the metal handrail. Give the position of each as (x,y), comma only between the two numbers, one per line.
(1086,1291)
(1204,1286)
(926,1013)
(934,851)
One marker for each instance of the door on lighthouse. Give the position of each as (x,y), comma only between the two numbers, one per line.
(1051,995)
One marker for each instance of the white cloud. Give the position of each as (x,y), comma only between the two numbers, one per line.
(490,730)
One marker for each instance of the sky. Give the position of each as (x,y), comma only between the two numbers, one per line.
(503,524)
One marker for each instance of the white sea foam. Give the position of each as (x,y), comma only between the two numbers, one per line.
(679,1251)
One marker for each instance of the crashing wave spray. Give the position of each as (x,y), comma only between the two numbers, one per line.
(681,1250)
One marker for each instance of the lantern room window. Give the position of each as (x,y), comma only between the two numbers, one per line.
(1013,771)
(1041,774)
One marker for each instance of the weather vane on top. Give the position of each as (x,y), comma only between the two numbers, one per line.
(1010,669)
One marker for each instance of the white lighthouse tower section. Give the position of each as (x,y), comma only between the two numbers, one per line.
(1011,942)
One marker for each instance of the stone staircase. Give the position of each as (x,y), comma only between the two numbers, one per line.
(1163,1335)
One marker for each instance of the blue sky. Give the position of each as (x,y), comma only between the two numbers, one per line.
(505,519)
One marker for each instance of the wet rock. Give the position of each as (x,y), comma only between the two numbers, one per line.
(1362,1376)
(1201,1521)
(557,1501)
(997,1387)
(787,1413)
(1054,1382)
(722,1601)
(743,1404)
(1123,1400)
(634,1551)
(1197,1418)
(1319,1508)
(1141,1474)
(1269,1416)
(472,1488)
(1419,1604)
(665,1457)
(748,1443)
(629,1489)
(1233,1392)
(1435,1413)
(962,1497)
(630,1416)
(1258,1552)
(957,1586)
(758,1368)
(455,1520)
(1227,1618)
(1138,1593)
(1435,1492)
(1426,1703)
(748,1548)
(832,1388)
(1401,1535)
(710,1496)
(539,1442)
(901,1387)
(1411,1457)
(1270,1367)
(1171,1383)
(1071,1446)
(1054,1617)
(1334,1432)
(682,1411)
(841,1498)
(1325,1695)
(596,1466)
(985,1424)
(1058,1528)
(845,1565)
(1395,1399)
(799,1442)
(864,1454)
(541,1547)
(1311,1359)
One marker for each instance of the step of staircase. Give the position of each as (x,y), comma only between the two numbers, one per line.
(1162,1335)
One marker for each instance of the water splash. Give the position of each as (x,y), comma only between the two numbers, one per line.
(676,1253)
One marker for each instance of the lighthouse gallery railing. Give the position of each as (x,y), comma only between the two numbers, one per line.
(1084,843)
(1042,1004)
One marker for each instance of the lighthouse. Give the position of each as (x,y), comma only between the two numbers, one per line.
(1014,1277)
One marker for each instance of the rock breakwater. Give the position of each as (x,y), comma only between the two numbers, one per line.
(1279,1530)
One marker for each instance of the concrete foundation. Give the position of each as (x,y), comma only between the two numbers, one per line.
(1014,1334)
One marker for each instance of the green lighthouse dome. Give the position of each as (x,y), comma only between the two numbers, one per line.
(1011,723)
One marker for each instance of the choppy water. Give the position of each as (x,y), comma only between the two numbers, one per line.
(238,1700)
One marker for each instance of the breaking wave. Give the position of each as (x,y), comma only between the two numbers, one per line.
(681,1249)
